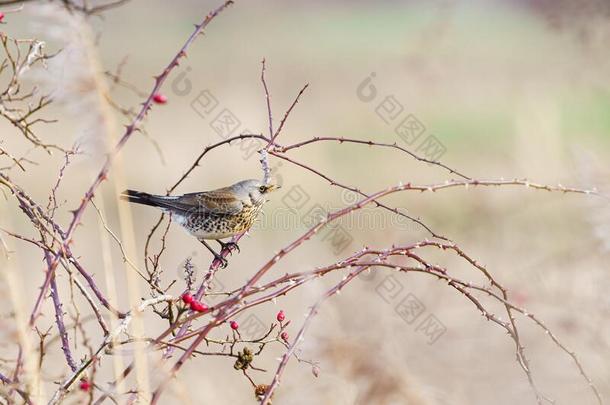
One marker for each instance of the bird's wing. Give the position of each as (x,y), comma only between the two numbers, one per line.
(220,201)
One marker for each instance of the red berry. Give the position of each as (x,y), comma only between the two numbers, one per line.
(198,306)
(84,385)
(187,298)
(159,98)
(280,316)
(1,16)
(284,336)
(234,325)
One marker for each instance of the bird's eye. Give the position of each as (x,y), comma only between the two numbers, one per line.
(262,189)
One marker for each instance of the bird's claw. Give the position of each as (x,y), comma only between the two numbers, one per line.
(223,262)
(217,256)
(229,246)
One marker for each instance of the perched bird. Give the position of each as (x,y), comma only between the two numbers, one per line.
(215,214)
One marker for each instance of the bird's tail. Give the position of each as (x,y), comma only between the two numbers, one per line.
(139,197)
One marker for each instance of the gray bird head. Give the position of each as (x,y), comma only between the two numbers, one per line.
(256,190)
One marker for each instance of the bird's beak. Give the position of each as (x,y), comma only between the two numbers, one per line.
(273,187)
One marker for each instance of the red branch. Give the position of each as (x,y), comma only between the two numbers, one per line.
(129,130)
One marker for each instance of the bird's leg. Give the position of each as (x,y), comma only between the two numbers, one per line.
(222,260)
(228,245)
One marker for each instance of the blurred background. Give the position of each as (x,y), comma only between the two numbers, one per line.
(508,89)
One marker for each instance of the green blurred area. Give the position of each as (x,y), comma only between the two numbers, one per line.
(482,57)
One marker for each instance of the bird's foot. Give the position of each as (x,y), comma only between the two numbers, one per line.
(229,245)
(217,256)
(223,262)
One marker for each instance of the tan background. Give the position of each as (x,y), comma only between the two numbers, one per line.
(510,89)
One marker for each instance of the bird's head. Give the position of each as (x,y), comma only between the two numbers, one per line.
(255,189)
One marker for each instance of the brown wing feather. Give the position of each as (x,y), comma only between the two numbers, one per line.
(220,201)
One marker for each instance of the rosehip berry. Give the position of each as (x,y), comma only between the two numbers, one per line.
(159,98)
(84,385)
(187,298)
(1,16)
(198,306)
(284,336)
(280,316)
(234,325)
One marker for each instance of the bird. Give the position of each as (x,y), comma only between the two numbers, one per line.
(214,214)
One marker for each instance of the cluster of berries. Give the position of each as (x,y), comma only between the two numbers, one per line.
(193,304)
(199,306)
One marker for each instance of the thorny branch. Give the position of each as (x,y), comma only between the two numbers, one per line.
(188,328)
(20,106)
